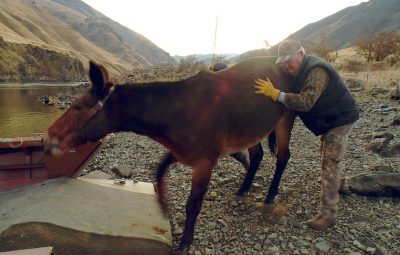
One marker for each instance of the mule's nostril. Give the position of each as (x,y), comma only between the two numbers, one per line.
(50,145)
(55,150)
(52,149)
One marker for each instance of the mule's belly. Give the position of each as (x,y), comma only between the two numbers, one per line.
(238,144)
(254,126)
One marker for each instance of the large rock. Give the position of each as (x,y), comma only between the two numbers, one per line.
(380,144)
(396,120)
(384,109)
(378,91)
(394,93)
(379,141)
(97,174)
(374,184)
(124,171)
(355,85)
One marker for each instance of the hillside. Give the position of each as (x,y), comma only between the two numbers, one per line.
(117,39)
(26,62)
(344,28)
(74,28)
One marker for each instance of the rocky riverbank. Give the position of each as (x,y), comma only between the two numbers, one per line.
(366,225)
(63,99)
(141,75)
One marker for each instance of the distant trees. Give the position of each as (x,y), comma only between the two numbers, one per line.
(221,59)
(267,44)
(190,64)
(380,46)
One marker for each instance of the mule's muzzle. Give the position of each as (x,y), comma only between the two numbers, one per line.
(51,145)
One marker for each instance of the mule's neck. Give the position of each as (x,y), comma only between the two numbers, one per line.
(149,109)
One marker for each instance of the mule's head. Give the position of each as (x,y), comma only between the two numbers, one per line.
(86,119)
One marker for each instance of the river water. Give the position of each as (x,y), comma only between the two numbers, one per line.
(21,114)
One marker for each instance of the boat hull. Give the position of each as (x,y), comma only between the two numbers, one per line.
(23,161)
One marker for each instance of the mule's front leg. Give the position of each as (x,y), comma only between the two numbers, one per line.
(281,163)
(162,168)
(200,178)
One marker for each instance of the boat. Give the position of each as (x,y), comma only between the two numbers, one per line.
(46,206)
(24,162)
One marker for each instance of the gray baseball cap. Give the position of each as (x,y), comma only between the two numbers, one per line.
(287,49)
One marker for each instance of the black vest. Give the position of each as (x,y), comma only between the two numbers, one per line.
(334,108)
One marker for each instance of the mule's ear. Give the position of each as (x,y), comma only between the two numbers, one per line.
(99,78)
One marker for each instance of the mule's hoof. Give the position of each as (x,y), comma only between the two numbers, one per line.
(265,208)
(238,198)
(183,249)
(241,193)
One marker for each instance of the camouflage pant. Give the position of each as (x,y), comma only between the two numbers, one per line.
(333,147)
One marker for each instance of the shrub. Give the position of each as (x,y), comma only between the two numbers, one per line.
(190,64)
(379,46)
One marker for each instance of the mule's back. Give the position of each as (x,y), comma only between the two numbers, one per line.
(225,106)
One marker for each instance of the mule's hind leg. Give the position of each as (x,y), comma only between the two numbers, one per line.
(241,158)
(168,159)
(256,154)
(283,132)
(281,162)
(200,178)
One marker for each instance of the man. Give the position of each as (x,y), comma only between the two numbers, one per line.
(326,108)
(219,66)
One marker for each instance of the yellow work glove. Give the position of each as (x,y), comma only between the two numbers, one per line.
(265,87)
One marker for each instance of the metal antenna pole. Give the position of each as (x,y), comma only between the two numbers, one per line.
(215,43)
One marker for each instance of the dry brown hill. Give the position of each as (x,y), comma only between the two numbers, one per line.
(345,28)
(75,28)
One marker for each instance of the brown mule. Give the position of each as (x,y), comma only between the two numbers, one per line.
(198,119)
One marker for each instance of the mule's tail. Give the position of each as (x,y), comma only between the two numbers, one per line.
(272,143)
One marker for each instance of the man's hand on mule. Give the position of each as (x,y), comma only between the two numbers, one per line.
(265,87)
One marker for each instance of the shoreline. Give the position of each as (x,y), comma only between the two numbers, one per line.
(41,84)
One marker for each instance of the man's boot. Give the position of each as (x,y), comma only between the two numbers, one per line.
(326,218)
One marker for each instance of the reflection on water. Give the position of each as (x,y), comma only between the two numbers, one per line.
(20,112)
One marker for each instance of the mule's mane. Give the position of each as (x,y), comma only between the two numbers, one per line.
(164,84)
(245,64)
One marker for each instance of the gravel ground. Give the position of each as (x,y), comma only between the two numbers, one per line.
(226,226)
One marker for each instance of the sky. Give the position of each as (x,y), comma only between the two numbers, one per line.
(185,27)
